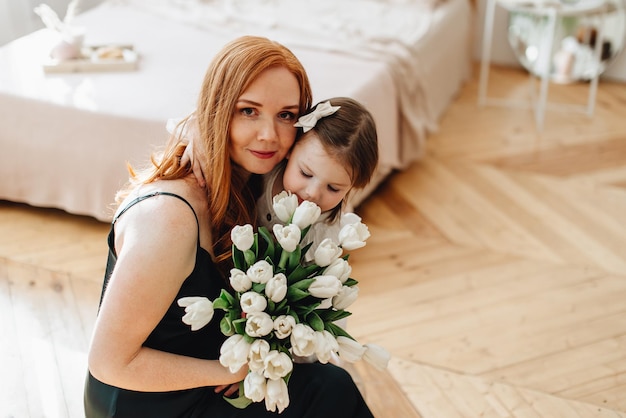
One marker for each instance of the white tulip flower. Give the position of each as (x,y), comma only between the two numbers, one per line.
(306,214)
(258,350)
(234,352)
(284,205)
(326,252)
(340,269)
(198,311)
(276,395)
(303,340)
(277,365)
(276,288)
(325,287)
(350,350)
(242,237)
(260,272)
(353,236)
(239,280)
(376,356)
(283,325)
(346,297)
(287,236)
(259,324)
(252,302)
(254,386)
(325,346)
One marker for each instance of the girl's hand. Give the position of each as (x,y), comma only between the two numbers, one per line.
(186,134)
(196,166)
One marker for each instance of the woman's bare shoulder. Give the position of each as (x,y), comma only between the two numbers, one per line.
(165,214)
(185,188)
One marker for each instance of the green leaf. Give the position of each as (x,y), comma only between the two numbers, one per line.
(314,321)
(294,259)
(336,330)
(255,244)
(333,315)
(302,284)
(240,325)
(304,232)
(224,294)
(250,257)
(280,306)
(304,310)
(306,247)
(269,240)
(226,326)
(350,282)
(238,259)
(295,316)
(301,272)
(225,302)
(222,304)
(259,287)
(240,401)
(295,294)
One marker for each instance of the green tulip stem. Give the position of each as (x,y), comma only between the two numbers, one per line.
(284,257)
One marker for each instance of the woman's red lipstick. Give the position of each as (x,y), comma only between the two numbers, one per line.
(263,154)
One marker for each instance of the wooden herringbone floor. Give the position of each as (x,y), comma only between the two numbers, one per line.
(495,275)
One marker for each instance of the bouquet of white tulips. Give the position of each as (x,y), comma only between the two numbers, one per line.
(282,307)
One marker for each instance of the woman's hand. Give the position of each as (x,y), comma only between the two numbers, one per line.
(232,388)
(228,390)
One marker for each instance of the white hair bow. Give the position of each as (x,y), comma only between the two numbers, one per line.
(308,121)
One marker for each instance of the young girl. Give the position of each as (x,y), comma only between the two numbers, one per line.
(335,154)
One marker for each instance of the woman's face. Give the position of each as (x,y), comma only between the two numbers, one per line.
(315,175)
(262,131)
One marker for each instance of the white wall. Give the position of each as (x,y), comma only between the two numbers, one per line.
(502,53)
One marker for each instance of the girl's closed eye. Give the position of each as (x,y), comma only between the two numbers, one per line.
(305,174)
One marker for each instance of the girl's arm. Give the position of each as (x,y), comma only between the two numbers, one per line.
(156,246)
(196,159)
(187,134)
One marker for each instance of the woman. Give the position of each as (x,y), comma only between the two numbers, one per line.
(171,238)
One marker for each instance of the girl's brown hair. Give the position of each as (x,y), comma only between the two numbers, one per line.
(349,135)
(232,70)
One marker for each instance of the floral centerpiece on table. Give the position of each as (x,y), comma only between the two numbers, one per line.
(284,309)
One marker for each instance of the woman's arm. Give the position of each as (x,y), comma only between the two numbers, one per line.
(156,245)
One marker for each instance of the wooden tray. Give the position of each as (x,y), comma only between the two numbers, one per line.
(90,62)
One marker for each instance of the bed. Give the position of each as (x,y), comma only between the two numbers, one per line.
(65,138)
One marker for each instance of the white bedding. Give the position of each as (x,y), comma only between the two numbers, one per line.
(65,138)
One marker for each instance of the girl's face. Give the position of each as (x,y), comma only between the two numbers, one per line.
(315,175)
(262,130)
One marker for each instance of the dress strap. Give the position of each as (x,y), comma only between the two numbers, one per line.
(149,195)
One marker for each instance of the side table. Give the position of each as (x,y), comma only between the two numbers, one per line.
(552,11)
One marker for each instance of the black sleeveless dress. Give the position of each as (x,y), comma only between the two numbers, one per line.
(315,390)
